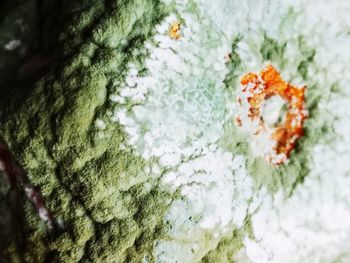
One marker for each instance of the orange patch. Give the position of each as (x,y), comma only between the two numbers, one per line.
(174,30)
(262,87)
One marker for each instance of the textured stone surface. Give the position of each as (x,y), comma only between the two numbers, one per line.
(130,136)
(95,189)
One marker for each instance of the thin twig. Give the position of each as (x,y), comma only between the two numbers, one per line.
(17,177)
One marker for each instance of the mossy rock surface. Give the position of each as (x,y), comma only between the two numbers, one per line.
(95,189)
(130,136)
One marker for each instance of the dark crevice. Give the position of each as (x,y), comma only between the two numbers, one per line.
(14,201)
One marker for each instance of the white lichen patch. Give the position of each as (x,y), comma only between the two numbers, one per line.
(173,109)
(272,110)
(13,44)
(215,192)
(309,226)
(181,100)
(100,124)
(179,109)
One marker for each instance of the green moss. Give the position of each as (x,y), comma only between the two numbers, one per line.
(95,189)
(309,54)
(234,64)
(230,245)
(272,50)
(113,30)
(226,249)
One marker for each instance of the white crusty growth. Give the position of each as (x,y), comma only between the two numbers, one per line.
(177,116)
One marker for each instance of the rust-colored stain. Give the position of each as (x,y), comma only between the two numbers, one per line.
(259,88)
(174,30)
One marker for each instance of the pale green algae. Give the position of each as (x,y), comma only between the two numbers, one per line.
(96,190)
(230,245)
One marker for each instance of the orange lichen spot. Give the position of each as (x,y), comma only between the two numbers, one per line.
(250,78)
(256,89)
(174,30)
